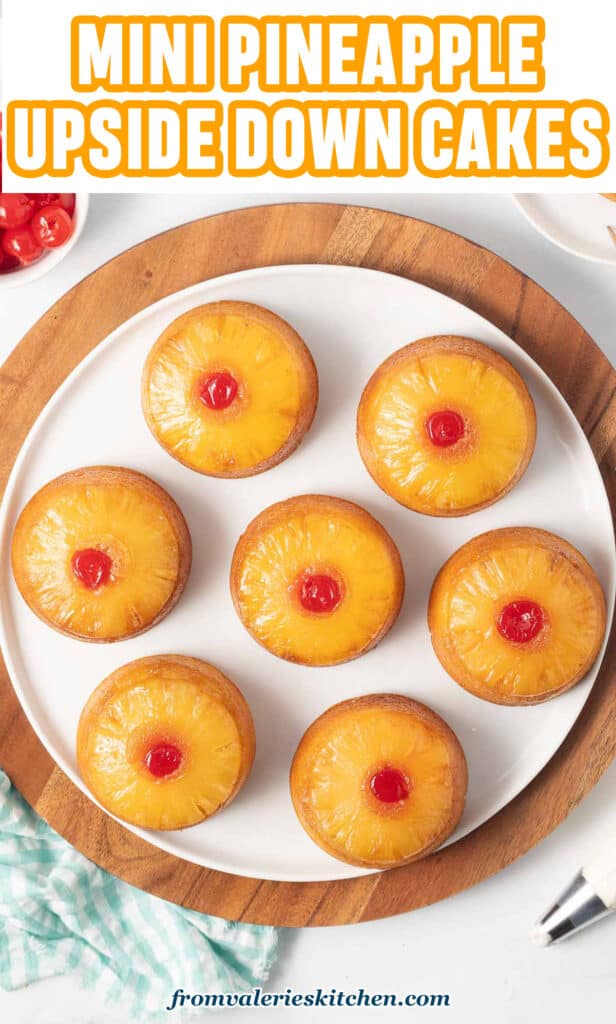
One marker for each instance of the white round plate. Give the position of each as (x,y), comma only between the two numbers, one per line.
(577,223)
(351,319)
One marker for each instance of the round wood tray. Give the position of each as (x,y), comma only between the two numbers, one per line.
(308,233)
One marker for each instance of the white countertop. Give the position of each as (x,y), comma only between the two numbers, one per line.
(473,946)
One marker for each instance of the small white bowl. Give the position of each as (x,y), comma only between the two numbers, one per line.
(51,258)
(576,222)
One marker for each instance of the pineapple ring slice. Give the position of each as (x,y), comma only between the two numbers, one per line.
(446,426)
(316,580)
(345,754)
(536,581)
(229,389)
(101,553)
(165,742)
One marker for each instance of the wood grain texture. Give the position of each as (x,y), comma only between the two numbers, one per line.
(314,233)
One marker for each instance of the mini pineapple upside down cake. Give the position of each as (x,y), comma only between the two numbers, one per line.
(317,580)
(446,426)
(379,781)
(517,616)
(229,389)
(165,742)
(101,553)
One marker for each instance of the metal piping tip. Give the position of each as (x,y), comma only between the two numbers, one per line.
(577,907)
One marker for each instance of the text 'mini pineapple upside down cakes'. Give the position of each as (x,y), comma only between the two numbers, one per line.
(446,426)
(165,742)
(517,616)
(379,781)
(101,553)
(229,389)
(316,580)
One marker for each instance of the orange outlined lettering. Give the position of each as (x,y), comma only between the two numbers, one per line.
(142,54)
(153,138)
(381,54)
(477,139)
(321,139)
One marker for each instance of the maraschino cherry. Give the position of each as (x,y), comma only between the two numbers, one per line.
(521,621)
(218,390)
(390,785)
(92,567)
(445,428)
(319,592)
(163,759)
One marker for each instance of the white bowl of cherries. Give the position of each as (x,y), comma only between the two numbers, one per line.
(37,231)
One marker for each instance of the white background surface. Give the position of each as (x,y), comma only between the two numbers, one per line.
(474,946)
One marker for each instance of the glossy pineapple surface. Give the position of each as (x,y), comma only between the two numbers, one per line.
(445,426)
(165,742)
(338,774)
(128,525)
(229,389)
(341,546)
(526,572)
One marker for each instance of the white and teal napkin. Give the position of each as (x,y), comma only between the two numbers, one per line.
(59,912)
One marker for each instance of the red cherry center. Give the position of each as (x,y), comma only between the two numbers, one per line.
(92,567)
(521,621)
(163,759)
(390,785)
(319,592)
(218,390)
(445,428)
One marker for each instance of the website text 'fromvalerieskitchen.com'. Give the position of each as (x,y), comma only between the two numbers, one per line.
(325,998)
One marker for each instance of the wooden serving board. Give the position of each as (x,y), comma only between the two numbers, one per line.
(307,233)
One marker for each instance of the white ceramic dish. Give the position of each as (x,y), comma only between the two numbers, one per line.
(351,319)
(577,223)
(50,259)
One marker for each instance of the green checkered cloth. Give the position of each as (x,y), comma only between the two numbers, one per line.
(60,912)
